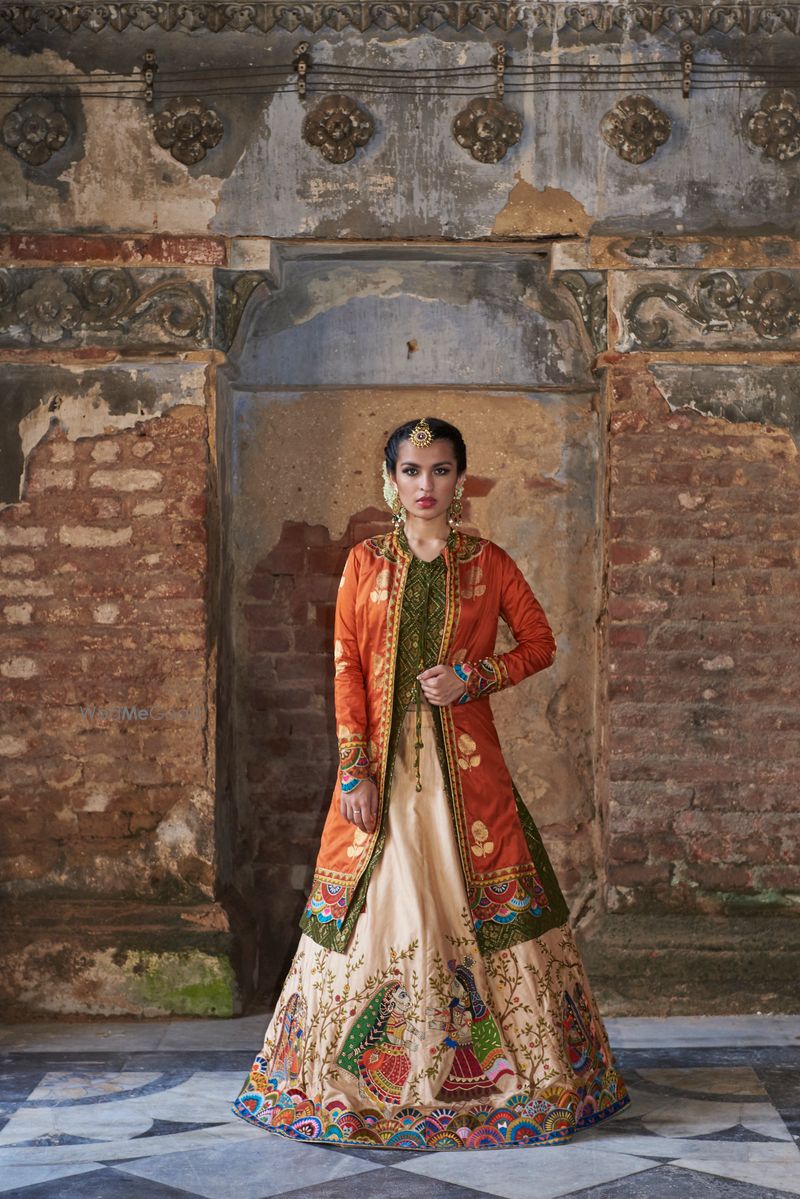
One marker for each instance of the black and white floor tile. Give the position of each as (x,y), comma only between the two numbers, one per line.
(141,1110)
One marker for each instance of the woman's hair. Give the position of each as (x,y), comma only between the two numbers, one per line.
(439,428)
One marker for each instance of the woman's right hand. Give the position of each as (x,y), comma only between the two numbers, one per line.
(360,806)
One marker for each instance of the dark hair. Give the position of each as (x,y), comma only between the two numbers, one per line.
(440,429)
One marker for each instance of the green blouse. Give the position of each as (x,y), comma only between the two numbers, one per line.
(419,635)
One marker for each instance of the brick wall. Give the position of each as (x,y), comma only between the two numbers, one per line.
(286,717)
(703,639)
(103,575)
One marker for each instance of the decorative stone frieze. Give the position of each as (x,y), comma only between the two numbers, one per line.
(107,306)
(757,308)
(219,16)
(486,128)
(775,124)
(337,126)
(35,129)
(591,296)
(635,128)
(188,128)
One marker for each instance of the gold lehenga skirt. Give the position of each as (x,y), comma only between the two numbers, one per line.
(412,1039)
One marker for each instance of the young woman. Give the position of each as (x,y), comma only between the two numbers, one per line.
(437,999)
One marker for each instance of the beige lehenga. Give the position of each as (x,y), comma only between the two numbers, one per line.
(412,1039)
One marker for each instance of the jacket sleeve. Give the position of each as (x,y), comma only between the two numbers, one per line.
(349,688)
(536,646)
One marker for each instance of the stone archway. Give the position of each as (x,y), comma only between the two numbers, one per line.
(336,347)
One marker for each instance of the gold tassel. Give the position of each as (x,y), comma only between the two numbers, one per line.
(418,742)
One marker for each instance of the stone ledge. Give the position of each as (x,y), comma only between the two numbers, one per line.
(86,958)
(674,965)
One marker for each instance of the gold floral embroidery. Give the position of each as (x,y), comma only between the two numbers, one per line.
(380,594)
(360,839)
(377,672)
(339,660)
(481,834)
(467,758)
(473,586)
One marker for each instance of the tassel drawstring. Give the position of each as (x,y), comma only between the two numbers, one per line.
(418,742)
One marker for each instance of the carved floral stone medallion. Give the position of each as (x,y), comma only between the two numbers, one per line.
(487,128)
(337,127)
(635,128)
(771,305)
(35,129)
(188,129)
(775,124)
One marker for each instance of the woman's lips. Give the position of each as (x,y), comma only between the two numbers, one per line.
(426,503)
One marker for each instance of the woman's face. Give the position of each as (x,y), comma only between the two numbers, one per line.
(426,473)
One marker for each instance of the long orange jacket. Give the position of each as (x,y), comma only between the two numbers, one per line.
(512,892)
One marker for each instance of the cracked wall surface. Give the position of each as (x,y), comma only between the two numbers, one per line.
(202,356)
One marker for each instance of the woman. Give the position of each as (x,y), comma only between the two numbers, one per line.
(437,999)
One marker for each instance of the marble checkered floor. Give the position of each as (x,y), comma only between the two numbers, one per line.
(141,1110)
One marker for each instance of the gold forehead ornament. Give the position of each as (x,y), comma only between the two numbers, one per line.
(421,434)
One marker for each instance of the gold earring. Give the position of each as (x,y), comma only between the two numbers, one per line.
(392,498)
(454,510)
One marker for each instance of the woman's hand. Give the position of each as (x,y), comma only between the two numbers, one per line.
(360,806)
(441,685)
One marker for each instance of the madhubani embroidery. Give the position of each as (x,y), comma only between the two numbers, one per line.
(471,1031)
(285,1064)
(551,1115)
(481,846)
(328,903)
(375,1049)
(365,1023)
(482,677)
(582,1044)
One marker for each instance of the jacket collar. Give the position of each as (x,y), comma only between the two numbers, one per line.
(406,551)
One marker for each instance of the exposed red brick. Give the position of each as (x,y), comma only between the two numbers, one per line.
(702,649)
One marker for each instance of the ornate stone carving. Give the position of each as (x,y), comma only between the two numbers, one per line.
(775,124)
(188,129)
(232,290)
(770,304)
(217,16)
(49,306)
(35,129)
(337,127)
(591,298)
(635,128)
(487,128)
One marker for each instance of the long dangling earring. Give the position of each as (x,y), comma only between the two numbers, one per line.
(454,510)
(392,497)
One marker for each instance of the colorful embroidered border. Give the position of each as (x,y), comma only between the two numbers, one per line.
(552,1116)
(482,677)
(354,764)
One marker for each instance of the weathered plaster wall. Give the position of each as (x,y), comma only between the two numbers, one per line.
(619,341)
(412,179)
(303,483)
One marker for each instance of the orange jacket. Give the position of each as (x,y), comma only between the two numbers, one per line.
(483,584)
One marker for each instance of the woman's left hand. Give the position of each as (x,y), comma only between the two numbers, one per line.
(441,685)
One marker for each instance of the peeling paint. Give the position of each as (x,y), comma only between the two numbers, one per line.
(534,212)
